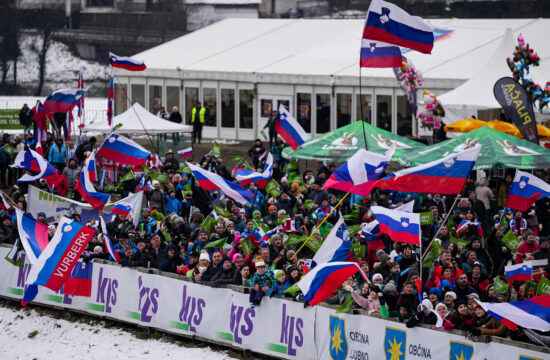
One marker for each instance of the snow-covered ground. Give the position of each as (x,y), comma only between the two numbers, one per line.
(62,339)
(62,66)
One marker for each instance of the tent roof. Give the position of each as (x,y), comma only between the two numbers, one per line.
(137,120)
(499,150)
(266,47)
(340,144)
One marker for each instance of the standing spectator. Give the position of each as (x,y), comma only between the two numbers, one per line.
(255,151)
(484,192)
(198,118)
(270,125)
(25,118)
(84,148)
(175,117)
(58,155)
(163,114)
(4,160)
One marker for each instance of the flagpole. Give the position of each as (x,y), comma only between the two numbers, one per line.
(437,232)
(320,224)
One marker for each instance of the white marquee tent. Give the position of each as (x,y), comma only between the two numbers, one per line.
(137,120)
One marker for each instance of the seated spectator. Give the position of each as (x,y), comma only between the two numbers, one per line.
(226,275)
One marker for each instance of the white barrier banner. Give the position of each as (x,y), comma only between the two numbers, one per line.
(277,327)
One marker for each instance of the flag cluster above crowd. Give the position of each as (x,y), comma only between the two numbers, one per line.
(432,244)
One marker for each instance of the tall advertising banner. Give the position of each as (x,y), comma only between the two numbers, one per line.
(515,103)
(277,328)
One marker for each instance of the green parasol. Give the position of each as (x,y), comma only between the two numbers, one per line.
(338,145)
(499,151)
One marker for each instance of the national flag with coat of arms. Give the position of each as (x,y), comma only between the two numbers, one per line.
(109,248)
(289,129)
(33,161)
(245,176)
(399,225)
(336,246)
(79,283)
(526,189)
(377,54)
(126,63)
(63,101)
(519,272)
(122,150)
(32,234)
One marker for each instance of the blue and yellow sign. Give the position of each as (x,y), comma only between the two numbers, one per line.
(460,351)
(338,343)
(524,357)
(395,344)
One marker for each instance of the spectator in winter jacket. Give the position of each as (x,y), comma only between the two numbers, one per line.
(544,249)
(526,249)
(173,205)
(462,289)
(58,155)
(25,117)
(214,267)
(225,275)
(72,173)
(261,282)
(487,325)
(282,283)
(367,298)
(170,260)
(462,319)
(146,223)
(255,151)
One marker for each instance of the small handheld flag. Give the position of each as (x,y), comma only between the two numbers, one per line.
(185,153)
(126,63)
(85,187)
(110,101)
(519,272)
(400,226)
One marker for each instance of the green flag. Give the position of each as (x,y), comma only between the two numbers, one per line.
(145,169)
(8,149)
(221,211)
(293,289)
(160,177)
(129,176)
(346,306)
(109,188)
(185,169)
(354,215)
(263,134)
(294,239)
(236,158)
(216,149)
(314,244)
(247,246)
(357,250)
(209,222)
(500,286)
(217,243)
(511,241)
(426,218)
(291,166)
(354,229)
(308,204)
(460,244)
(272,188)
(435,250)
(246,166)
(384,311)
(544,286)
(296,179)
(282,220)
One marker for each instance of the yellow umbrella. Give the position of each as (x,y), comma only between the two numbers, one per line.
(504,127)
(464,126)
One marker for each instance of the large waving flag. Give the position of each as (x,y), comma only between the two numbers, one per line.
(122,150)
(33,235)
(389,23)
(85,187)
(79,283)
(319,283)
(526,190)
(129,206)
(245,176)
(287,126)
(113,254)
(56,262)
(336,245)
(376,54)
(359,174)
(210,181)
(40,123)
(445,176)
(533,313)
(126,63)
(33,161)
(63,101)
(399,225)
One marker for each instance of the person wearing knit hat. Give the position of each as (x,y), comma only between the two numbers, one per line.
(390,288)
(449,300)
(261,282)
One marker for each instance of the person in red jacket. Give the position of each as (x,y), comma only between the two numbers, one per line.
(444,262)
(58,184)
(527,247)
(478,279)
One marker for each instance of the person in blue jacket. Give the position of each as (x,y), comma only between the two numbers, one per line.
(172,203)
(58,155)
(282,283)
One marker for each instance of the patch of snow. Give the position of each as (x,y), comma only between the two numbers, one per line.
(62,339)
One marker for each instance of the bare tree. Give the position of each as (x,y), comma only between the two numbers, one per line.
(46,41)
(9,46)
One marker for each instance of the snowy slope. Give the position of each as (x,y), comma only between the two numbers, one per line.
(62,339)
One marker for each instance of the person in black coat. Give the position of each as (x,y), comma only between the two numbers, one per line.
(25,117)
(170,260)
(255,151)
(214,267)
(226,275)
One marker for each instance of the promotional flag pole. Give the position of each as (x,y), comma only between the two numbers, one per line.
(437,232)
(320,224)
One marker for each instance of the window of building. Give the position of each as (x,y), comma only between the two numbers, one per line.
(172,98)
(404,116)
(323,113)
(246,109)
(191,98)
(383,112)
(343,109)
(155,98)
(304,110)
(121,98)
(228,108)
(138,94)
(210,102)
(364,108)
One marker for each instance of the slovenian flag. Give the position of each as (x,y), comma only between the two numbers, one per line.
(85,187)
(58,259)
(399,225)
(33,235)
(114,255)
(376,54)
(144,186)
(210,181)
(122,208)
(389,23)
(122,150)
(532,313)
(335,247)
(519,272)
(79,283)
(369,231)
(444,176)
(245,176)
(287,126)
(319,283)
(126,63)
(185,153)
(63,101)
(33,161)
(359,174)
(14,256)
(526,190)
(110,100)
